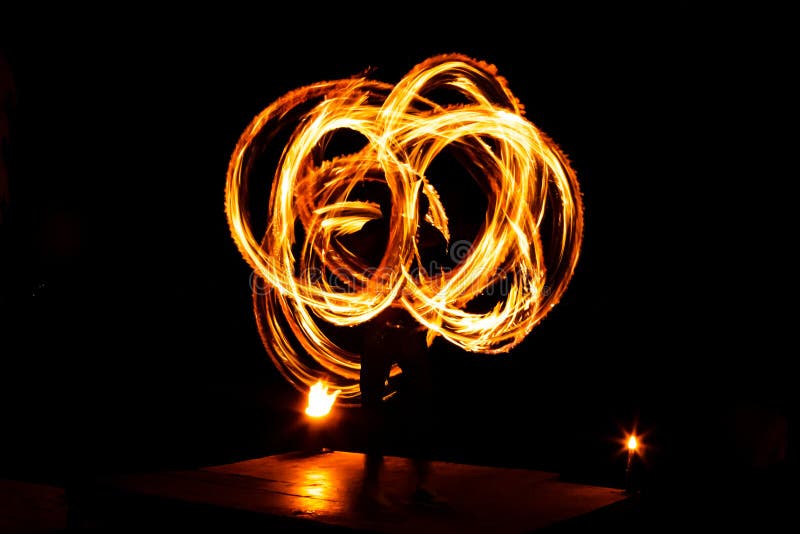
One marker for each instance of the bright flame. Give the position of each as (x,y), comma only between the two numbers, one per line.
(320,401)
(633,443)
(528,243)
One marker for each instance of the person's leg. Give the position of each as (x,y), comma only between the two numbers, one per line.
(375,365)
(418,400)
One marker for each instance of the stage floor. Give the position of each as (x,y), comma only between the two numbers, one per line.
(304,490)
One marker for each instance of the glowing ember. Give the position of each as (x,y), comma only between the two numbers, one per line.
(320,401)
(633,443)
(311,280)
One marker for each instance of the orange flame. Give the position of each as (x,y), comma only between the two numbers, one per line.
(529,240)
(633,443)
(320,401)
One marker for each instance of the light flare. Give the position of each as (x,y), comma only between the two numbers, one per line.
(315,285)
(320,401)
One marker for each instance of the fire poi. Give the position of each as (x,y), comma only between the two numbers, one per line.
(311,281)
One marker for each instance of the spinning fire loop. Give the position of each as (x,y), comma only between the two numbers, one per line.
(312,281)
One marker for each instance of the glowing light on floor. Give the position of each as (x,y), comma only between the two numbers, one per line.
(310,281)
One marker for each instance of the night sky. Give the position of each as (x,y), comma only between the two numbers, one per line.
(128,339)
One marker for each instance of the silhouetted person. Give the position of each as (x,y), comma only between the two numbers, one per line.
(394,336)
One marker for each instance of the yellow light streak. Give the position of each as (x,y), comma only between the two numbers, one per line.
(529,240)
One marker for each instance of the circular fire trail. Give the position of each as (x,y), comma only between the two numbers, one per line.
(313,281)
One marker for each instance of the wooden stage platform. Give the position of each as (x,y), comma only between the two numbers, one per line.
(318,491)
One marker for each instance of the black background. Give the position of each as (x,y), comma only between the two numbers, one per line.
(128,340)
